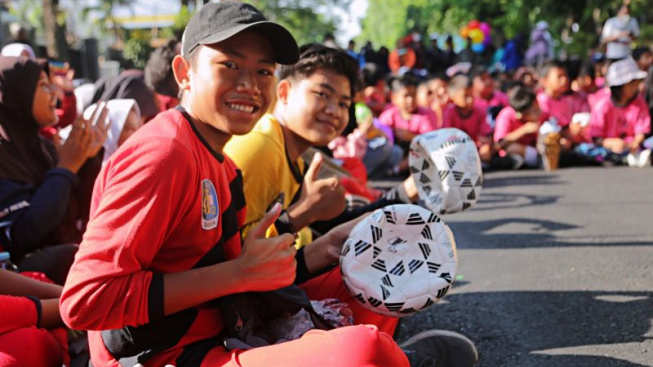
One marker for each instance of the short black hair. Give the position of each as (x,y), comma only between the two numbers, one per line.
(405,81)
(436,76)
(551,64)
(641,51)
(459,82)
(521,97)
(313,57)
(587,69)
(478,72)
(158,70)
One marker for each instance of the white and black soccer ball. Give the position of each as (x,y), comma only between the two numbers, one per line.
(399,260)
(447,171)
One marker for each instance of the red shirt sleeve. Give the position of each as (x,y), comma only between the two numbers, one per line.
(138,198)
(17,313)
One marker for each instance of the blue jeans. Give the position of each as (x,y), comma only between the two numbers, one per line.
(381,157)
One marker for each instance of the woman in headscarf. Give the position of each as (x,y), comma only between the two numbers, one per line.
(125,118)
(37,179)
(128,87)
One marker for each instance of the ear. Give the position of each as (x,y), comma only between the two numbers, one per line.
(283,91)
(519,115)
(181,70)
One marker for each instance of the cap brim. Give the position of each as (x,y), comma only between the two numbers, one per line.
(283,43)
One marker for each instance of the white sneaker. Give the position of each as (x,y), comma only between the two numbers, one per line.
(644,158)
(640,159)
(632,159)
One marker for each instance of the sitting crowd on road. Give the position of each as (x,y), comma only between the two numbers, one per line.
(238,155)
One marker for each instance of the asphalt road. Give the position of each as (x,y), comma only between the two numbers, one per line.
(556,269)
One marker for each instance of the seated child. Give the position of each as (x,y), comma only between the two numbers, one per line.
(518,125)
(432,94)
(406,118)
(484,90)
(467,116)
(621,122)
(555,101)
(586,88)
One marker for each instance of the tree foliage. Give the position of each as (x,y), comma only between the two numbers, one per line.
(575,24)
(301,17)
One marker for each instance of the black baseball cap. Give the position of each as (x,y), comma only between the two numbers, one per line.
(216,22)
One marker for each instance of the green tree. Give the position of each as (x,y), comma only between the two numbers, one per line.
(575,25)
(300,17)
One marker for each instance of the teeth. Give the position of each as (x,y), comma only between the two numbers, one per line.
(240,107)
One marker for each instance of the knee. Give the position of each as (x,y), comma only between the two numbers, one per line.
(369,347)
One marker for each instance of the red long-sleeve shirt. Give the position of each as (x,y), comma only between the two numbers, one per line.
(164,203)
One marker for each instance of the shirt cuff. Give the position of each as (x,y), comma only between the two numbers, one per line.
(37,304)
(155,298)
(74,180)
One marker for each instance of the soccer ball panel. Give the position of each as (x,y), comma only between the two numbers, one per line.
(447,170)
(393,260)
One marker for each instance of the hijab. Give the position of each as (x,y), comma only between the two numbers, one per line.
(127,87)
(118,110)
(17,49)
(24,155)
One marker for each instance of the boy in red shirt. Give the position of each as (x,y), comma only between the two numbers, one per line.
(485,92)
(163,246)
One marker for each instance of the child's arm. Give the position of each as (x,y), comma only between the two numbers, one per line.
(635,145)
(514,136)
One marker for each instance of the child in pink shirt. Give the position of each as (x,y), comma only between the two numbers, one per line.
(406,118)
(557,102)
(432,94)
(484,89)
(463,114)
(517,125)
(620,123)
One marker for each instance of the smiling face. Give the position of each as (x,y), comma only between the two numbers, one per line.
(45,102)
(229,85)
(315,108)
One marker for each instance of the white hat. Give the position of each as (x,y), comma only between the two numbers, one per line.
(623,72)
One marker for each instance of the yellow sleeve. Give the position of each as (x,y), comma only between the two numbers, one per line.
(259,158)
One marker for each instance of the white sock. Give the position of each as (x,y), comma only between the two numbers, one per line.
(530,156)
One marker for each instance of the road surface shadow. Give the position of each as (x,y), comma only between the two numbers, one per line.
(516,328)
(528,233)
(489,181)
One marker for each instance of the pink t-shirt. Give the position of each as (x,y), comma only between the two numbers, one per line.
(507,122)
(422,121)
(562,108)
(498,99)
(610,121)
(595,98)
(475,125)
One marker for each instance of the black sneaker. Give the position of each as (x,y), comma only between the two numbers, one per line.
(440,348)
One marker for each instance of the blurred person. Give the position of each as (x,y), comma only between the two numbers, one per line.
(128,87)
(621,123)
(159,76)
(38,180)
(518,125)
(464,114)
(618,34)
(432,94)
(541,46)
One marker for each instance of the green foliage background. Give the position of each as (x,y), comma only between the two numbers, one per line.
(388,20)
